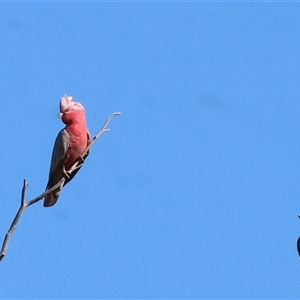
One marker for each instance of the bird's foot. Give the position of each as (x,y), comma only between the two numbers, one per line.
(80,162)
(66,173)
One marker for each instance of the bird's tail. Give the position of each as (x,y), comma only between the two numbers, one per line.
(50,199)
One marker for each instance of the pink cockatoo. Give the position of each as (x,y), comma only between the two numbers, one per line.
(70,143)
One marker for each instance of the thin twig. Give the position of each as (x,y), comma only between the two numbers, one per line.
(103,130)
(78,163)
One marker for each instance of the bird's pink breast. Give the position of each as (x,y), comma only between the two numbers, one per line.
(78,142)
(78,137)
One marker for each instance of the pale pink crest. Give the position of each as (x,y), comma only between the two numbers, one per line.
(66,103)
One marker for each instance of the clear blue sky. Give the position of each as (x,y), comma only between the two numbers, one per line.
(195,191)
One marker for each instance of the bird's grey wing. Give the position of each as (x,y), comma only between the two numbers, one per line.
(55,174)
(60,148)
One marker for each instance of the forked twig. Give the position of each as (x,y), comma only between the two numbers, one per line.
(25,204)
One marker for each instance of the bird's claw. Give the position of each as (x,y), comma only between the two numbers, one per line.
(81,160)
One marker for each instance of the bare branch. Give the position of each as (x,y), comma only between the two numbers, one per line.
(78,163)
(103,130)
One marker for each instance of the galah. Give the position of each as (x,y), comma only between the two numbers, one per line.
(70,143)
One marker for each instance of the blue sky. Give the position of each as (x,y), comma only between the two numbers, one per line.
(195,191)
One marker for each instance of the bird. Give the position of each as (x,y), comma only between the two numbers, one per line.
(69,144)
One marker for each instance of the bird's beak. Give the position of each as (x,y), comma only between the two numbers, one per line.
(60,115)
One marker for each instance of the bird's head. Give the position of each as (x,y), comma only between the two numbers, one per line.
(69,109)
